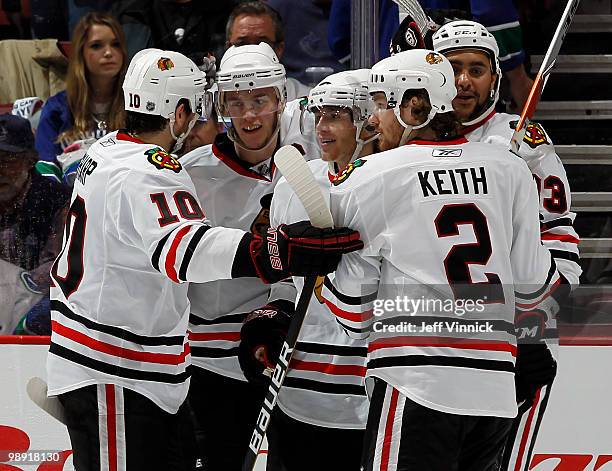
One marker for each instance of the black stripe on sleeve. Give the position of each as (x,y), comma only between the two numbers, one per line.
(565,255)
(327,349)
(122,334)
(193,243)
(350,300)
(116,370)
(211,352)
(437,360)
(158,250)
(561,222)
(320,386)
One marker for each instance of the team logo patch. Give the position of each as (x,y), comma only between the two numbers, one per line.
(164,63)
(350,168)
(535,135)
(29,283)
(162,160)
(433,58)
(150,106)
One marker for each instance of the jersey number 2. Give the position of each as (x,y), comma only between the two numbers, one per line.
(72,252)
(460,256)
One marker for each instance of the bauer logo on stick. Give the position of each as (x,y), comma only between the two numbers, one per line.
(162,160)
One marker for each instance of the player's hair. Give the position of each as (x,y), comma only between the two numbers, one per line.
(139,123)
(445,125)
(78,91)
(256,8)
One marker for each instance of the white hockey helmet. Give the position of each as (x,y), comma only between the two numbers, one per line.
(156,80)
(247,68)
(348,89)
(412,70)
(463,34)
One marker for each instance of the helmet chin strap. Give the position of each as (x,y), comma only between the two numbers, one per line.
(409,128)
(180,139)
(358,148)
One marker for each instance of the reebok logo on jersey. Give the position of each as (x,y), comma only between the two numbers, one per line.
(447,152)
(162,160)
(350,168)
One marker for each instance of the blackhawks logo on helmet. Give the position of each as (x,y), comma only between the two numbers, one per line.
(350,168)
(165,63)
(433,58)
(162,160)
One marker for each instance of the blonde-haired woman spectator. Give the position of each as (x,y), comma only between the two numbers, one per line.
(92,103)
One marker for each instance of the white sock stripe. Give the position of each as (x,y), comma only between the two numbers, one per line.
(102,426)
(120,421)
(514,463)
(382,421)
(396,432)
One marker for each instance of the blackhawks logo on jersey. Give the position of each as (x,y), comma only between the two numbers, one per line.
(535,135)
(165,63)
(161,159)
(350,168)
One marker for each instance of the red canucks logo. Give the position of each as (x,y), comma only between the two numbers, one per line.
(165,63)
(162,160)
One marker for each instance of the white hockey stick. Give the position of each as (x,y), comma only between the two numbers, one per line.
(295,169)
(414,9)
(540,81)
(37,392)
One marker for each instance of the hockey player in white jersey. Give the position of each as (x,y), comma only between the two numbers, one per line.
(474,54)
(447,224)
(119,358)
(323,400)
(236,176)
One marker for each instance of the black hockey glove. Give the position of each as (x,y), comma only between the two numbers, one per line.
(261,339)
(300,249)
(535,367)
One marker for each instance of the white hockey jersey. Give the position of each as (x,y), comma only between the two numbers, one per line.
(558,233)
(134,233)
(232,194)
(438,220)
(325,382)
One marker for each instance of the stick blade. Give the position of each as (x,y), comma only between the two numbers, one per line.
(294,168)
(37,392)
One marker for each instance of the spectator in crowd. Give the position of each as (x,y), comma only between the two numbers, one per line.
(79,8)
(255,22)
(339,29)
(16,27)
(92,103)
(305,23)
(193,28)
(49,19)
(31,208)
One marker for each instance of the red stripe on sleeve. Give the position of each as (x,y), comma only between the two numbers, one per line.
(160,358)
(561,237)
(349,316)
(171,257)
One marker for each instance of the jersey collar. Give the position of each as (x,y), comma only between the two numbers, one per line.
(223,149)
(453,142)
(122,135)
(473,127)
